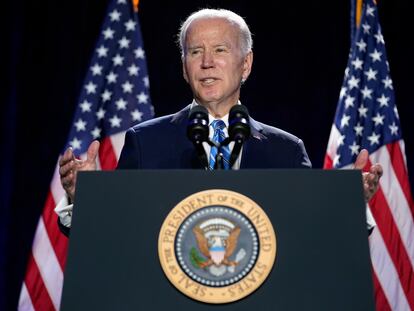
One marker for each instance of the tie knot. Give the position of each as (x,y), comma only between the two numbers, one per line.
(218,125)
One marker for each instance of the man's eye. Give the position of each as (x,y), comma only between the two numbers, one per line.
(220,50)
(194,52)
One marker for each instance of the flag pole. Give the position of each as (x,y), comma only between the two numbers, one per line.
(135,5)
(358,15)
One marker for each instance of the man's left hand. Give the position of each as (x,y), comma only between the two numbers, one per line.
(370,180)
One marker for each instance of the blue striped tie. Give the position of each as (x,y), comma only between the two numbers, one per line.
(218,137)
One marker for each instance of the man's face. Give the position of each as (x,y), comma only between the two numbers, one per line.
(213,63)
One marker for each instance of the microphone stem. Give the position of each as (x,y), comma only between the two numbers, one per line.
(238,143)
(219,161)
(201,153)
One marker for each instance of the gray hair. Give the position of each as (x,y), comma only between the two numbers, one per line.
(233,18)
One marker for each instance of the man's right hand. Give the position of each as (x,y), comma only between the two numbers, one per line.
(69,167)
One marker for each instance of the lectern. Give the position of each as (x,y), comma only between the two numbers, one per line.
(194,240)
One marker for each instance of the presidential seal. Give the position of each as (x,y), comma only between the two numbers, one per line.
(217,246)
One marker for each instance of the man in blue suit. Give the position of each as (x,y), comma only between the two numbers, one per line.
(217,57)
(268,147)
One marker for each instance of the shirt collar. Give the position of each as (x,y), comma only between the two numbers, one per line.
(225,118)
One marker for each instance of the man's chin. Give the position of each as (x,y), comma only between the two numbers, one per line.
(209,99)
(208,102)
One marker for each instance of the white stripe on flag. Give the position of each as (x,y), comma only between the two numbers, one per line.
(396,200)
(55,186)
(333,142)
(386,273)
(48,264)
(25,302)
(117,141)
(402,147)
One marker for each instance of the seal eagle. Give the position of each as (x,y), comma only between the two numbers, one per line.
(217,248)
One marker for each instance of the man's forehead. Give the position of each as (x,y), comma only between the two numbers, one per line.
(215,28)
(211,24)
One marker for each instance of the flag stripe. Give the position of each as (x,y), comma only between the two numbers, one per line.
(107,155)
(327,163)
(394,281)
(400,169)
(117,141)
(393,243)
(332,147)
(381,302)
(388,206)
(396,201)
(25,302)
(36,288)
(58,241)
(47,263)
(55,185)
(386,275)
(392,240)
(402,148)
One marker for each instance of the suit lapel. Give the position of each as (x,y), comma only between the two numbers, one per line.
(249,159)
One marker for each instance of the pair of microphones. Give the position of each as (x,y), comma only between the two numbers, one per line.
(198,133)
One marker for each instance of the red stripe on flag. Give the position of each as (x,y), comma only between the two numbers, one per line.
(36,288)
(107,156)
(400,170)
(57,239)
(328,163)
(381,302)
(392,240)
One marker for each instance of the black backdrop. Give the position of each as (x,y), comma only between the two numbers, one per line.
(300,47)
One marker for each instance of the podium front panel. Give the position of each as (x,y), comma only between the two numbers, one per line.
(322,260)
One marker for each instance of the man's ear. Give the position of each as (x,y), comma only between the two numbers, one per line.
(184,70)
(247,65)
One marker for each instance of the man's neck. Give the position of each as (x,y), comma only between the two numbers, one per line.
(218,110)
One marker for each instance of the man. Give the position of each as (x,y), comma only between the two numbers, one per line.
(216,51)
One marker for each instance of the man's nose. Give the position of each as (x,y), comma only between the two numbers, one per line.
(208,60)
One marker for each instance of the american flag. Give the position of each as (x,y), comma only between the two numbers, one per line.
(115,95)
(367,117)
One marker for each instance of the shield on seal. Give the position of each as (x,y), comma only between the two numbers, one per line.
(217,254)
(217,240)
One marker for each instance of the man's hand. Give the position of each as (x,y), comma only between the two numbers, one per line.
(370,180)
(69,167)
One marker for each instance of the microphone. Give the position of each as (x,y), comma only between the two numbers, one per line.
(239,129)
(197,131)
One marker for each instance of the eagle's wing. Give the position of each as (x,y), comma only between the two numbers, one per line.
(232,242)
(201,241)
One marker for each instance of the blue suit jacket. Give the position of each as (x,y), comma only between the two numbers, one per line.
(162,143)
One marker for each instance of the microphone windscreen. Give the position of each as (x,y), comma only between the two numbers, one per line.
(239,109)
(197,127)
(239,127)
(198,111)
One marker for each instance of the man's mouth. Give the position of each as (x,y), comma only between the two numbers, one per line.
(208,81)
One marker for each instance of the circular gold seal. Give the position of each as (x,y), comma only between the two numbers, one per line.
(217,246)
